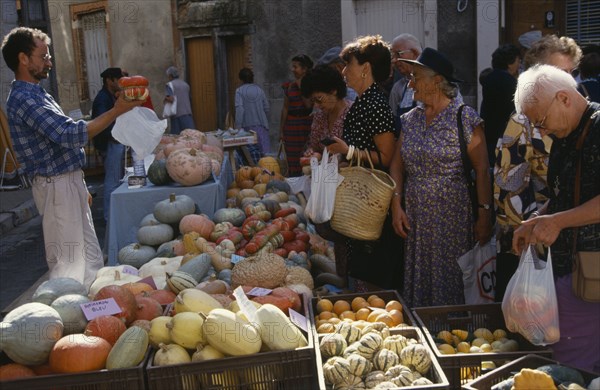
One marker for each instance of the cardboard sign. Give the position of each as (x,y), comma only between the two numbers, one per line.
(104,307)
(298,319)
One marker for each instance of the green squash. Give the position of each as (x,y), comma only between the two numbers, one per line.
(157,173)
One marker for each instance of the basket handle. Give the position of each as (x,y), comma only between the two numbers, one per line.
(358,159)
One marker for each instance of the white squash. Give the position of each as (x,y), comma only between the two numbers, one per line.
(171,354)
(185,329)
(196,301)
(230,334)
(159,266)
(28,333)
(159,333)
(276,329)
(117,278)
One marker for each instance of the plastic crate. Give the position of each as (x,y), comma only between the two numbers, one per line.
(119,379)
(436,374)
(386,295)
(506,371)
(276,370)
(434,319)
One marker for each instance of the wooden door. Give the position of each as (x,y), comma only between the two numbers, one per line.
(201,78)
(235,61)
(524,16)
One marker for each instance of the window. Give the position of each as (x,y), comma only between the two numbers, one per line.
(583,21)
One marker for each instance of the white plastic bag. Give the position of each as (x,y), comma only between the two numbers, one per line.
(170,108)
(479,268)
(324,181)
(141,129)
(530,306)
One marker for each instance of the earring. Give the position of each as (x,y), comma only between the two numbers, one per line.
(363,75)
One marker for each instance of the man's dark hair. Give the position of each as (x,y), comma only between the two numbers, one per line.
(21,40)
(504,56)
(590,65)
(246,75)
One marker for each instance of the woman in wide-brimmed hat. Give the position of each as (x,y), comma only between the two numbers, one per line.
(437,219)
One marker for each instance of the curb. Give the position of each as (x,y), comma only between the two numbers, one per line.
(17,216)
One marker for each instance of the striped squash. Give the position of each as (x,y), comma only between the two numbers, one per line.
(422,381)
(359,365)
(385,359)
(351,382)
(369,345)
(178,281)
(352,349)
(400,375)
(417,356)
(350,332)
(332,345)
(374,378)
(396,343)
(377,327)
(335,370)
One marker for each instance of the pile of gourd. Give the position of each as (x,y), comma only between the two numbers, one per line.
(186,159)
(51,335)
(482,340)
(202,328)
(370,357)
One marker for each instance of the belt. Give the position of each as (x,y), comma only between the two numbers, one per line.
(55,178)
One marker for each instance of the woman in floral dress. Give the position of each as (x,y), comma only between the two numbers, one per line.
(437,220)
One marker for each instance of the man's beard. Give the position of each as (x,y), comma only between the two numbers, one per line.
(40,75)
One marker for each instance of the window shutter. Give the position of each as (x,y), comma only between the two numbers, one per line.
(583,21)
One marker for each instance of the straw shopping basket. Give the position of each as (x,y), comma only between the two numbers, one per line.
(362,201)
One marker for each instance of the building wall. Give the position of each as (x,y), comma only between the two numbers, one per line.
(458,41)
(8,21)
(140,41)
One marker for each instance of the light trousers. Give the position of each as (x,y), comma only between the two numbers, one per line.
(72,248)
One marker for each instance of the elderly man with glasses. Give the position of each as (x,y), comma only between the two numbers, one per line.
(570,221)
(404,47)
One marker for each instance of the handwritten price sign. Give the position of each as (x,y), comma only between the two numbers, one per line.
(104,307)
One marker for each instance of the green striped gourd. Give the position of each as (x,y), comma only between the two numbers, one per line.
(359,365)
(332,344)
(179,281)
(395,343)
(374,378)
(129,350)
(417,356)
(350,332)
(385,359)
(369,345)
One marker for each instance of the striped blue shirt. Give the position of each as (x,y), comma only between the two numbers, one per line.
(46,141)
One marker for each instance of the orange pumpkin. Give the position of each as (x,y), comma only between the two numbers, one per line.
(200,224)
(164,297)
(79,353)
(263,177)
(147,308)
(243,173)
(232,192)
(124,298)
(107,327)
(138,287)
(269,163)
(15,371)
(42,369)
(255,171)
(245,184)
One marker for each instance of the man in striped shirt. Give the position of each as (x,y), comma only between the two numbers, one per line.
(49,146)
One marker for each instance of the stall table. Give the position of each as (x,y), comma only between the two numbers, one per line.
(129,206)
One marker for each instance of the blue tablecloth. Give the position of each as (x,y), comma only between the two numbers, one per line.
(129,206)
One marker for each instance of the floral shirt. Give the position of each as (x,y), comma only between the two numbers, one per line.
(520,171)
(320,127)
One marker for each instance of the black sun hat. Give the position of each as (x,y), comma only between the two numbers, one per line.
(436,61)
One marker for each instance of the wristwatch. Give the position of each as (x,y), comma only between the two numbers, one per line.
(485,206)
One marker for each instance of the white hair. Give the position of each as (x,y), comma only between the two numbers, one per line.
(412,41)
(541,83)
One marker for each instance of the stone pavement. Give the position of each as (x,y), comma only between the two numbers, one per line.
(16,208)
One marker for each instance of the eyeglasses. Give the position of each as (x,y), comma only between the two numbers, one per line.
(46,58)
(540,124)
(399,53)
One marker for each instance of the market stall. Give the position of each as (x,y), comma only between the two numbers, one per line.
(129,206)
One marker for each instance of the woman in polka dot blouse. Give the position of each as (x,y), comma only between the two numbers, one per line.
(369,129)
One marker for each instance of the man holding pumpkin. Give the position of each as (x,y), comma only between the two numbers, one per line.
(49,146)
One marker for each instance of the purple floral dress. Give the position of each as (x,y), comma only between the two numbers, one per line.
(437,205)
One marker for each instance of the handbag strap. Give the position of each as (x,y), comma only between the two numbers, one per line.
(577,192)
(463,146)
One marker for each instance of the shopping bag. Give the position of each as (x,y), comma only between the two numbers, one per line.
(530,306)
(141,129)
(170,108)
(324,181)
(479,273)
